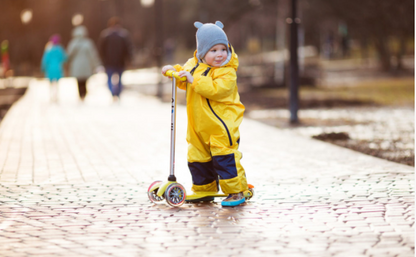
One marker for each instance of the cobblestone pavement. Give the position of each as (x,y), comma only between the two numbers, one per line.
(73,182)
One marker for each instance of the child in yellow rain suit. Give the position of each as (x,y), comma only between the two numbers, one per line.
(214,115)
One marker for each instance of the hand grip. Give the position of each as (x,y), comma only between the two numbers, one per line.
(171,73)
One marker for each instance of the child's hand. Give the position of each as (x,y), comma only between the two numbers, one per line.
(188,76)
(166,68)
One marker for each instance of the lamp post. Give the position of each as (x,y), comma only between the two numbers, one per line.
(294,65)
(159,44)
(147,3)
(77,19)
(26,17)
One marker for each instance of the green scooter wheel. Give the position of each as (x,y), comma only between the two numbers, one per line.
(152,194)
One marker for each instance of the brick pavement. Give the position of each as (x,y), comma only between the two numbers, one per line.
(73,181)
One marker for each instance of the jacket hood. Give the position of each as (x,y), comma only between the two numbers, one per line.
(231,61)
(80,31)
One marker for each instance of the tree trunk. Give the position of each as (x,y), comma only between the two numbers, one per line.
(400,53)
(383,52)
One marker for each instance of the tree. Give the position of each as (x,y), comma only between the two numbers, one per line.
(375,20)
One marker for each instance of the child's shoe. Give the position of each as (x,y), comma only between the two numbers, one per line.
(234,199)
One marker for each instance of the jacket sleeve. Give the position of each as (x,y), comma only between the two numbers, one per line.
(217,87)
(94,58)
(129,48)
(101,46)
(70,51)
(188,67)
(45,60)
(64,56)
(180,84)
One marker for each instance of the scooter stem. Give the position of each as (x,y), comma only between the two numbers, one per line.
(173,132)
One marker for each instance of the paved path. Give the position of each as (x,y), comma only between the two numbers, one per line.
(73,181)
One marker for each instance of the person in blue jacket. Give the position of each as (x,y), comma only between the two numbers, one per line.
(53,60)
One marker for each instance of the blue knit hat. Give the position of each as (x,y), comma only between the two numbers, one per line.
(209,35)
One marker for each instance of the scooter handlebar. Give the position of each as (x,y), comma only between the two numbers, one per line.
(171,73)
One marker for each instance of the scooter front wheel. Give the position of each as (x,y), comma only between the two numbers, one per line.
(152,194)
(175,195)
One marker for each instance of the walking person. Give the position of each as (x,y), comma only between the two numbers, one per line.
(53,60)
(115,50)
(83,58)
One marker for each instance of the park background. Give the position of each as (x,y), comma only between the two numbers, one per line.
(356,58)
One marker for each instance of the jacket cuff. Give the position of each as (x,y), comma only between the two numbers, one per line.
(178,67)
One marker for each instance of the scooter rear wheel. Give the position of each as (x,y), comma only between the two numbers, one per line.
(248,194)
(153,197)
(175,195)
(252,193)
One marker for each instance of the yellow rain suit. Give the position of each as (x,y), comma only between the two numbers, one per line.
(214,115)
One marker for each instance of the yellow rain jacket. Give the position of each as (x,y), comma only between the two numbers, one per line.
(214,116)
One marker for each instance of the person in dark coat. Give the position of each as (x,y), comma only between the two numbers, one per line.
(115,50)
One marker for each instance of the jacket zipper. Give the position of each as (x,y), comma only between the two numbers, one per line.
(223,123)
(205,73)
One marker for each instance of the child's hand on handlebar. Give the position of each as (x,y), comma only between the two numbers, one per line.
(166,68)
(188,76)
(184,75)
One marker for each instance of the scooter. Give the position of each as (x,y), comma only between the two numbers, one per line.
(172,191)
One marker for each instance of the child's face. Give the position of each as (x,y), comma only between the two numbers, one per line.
(216,55)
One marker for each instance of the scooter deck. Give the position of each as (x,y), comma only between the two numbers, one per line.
(195,196)
(201,195)
(156,193)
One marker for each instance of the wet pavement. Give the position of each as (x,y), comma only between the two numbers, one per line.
(74,176)
(388,131)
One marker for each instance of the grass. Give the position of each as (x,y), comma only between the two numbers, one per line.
(391,91)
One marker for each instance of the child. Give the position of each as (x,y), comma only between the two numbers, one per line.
(52,63)
(5,59)
(214,115)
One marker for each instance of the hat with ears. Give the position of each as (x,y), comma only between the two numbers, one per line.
(209,35)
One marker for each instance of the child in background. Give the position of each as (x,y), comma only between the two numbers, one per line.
(53,60)
(5,59)
(214,115)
